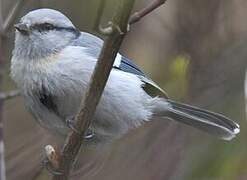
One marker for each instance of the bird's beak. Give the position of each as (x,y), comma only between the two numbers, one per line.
(22,28)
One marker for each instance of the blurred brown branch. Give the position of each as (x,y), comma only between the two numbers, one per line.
(4,28)
(145,11)
(98,81)
(9,95)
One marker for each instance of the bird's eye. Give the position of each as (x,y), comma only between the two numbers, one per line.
(46,27)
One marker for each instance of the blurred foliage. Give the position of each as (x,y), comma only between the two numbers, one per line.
(178,70)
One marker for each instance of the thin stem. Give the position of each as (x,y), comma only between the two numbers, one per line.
(1,16)
(137,16)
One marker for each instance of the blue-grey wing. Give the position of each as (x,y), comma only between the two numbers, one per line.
(93,45)
(124,64)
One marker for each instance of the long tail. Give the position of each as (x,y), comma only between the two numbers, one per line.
(210,122)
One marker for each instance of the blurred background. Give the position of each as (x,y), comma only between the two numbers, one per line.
(196,50)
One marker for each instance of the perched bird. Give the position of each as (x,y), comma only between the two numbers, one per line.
(52,63)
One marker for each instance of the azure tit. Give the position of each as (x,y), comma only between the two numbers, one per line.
(52,64)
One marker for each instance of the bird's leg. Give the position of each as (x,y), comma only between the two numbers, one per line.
(89,133)
(71,125)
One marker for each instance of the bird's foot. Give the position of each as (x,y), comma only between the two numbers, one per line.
(89,133)
(71,125)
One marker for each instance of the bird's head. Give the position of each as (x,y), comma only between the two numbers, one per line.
(43,31)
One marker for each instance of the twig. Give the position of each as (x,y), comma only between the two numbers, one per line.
(139,14)
(99,15)
(52,156)
(9,95)
(97,83)
(1,16)
(112,27)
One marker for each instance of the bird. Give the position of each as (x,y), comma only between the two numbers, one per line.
(52,62)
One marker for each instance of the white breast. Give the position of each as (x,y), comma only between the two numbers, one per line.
(66,75)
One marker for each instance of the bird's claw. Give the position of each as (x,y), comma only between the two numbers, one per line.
(89,133)
(71,125)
